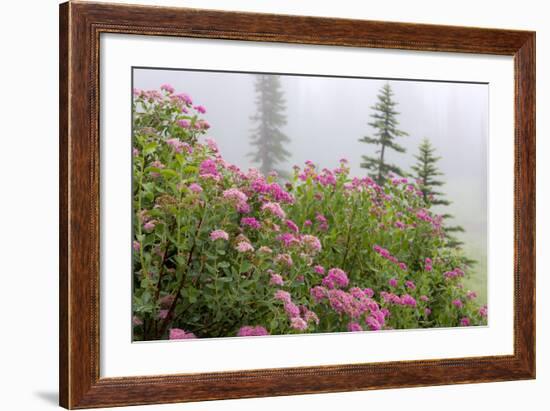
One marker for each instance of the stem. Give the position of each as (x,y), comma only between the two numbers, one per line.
(161,271)
(350,226)
(182,282)
(141,258)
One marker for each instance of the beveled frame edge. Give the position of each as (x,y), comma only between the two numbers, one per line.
(80,26)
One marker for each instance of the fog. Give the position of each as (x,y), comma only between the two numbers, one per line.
(326,116)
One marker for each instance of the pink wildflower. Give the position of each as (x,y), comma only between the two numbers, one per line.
(159,165)
(298,323)
(288,239)
(177,145)
(292,225)
(458,303)
(464,321)
(390,298)
(183,123)
(457,272)
(219,235)
(149,225)
(168,88)
(319,269)
(185,98)
(311,243)
(284,259)
(340,301)
(202,125)
(243,208)
(310,316)
(275,209)
(483,311)
(408,300)
(292,310)
(249,331)
(212,145)
(392,282)
(244,246)
(410,285)
(373,323)
(136,245)
(195,188)
(235,194)
(323,223)
(208,169)
(283,296)
(276,279)
(318,293)
(200,109)
(179,334)
(336,277)
(250,222)
(353,327)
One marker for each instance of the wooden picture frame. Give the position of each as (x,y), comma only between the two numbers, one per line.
(80,27)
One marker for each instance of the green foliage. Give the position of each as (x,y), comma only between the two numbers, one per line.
(386,133)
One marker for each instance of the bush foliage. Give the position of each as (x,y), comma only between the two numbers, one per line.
(221,252)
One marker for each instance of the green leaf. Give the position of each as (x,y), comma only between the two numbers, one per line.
(190,170)
(150,148)
(168,173)
(192,293)
(245,266)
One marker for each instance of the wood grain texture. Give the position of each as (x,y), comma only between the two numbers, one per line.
(80,27)
(63,204)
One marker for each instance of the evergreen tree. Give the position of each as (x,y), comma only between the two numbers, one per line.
(267,137)
(426,172)
(385,124)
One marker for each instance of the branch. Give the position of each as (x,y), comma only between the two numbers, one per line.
(182,282)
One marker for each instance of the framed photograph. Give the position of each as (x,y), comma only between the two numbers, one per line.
(260,205)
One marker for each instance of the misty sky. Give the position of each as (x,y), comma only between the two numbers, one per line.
(326,116)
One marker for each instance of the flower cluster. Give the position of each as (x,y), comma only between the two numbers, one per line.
(387,255)
(249,331)
(178,334)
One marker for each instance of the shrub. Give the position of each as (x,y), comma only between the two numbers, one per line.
(218,251)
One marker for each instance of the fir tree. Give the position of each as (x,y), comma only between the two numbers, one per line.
(267,137)
(385,124)
(427,174)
